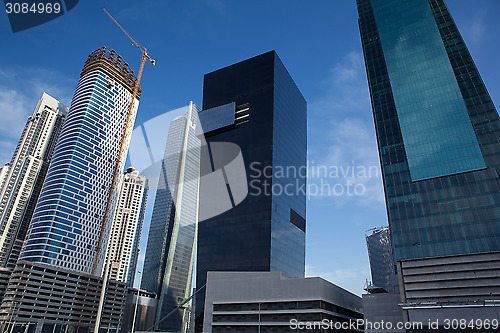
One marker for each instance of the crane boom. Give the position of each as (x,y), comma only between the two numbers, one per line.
(143,49)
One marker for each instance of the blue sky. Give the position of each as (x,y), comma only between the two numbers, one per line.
(317,40)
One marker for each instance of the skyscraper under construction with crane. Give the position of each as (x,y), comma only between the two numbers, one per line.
(68,233)
(67,226)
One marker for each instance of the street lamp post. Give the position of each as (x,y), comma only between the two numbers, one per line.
(136,302)
(16,309)
(259,317)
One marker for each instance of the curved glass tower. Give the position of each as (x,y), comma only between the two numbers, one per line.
(68,218)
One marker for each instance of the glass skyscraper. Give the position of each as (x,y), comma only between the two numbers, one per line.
(169,260)
(25,174)
(438,139)
(68,217)
(264,231)
(381,259)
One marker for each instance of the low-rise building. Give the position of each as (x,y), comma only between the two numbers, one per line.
(268,302)
(44,298)
(383,313)
(143,311)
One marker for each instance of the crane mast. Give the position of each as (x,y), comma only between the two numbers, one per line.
(145,57)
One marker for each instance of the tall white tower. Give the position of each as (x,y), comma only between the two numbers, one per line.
(3,174)
(21,180)
(123,245)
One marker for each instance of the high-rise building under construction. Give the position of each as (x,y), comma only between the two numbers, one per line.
(67,228)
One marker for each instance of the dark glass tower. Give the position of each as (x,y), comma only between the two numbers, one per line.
(438,138)
(437,129)
(382,260)
(266,231)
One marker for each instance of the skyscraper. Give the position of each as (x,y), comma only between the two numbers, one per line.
(3,173)
(438,138)
(21,180)
(256,105)
(382,260)
(67,224)
(169,261)
(123,246)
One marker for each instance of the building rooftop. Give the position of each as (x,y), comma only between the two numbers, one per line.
(109,62)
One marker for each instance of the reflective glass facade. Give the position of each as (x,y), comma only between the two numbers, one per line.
(218,117)
(289,150)
(266,231)
(382,260)
(442,195)
(68,217)
(169,261)
(437,133)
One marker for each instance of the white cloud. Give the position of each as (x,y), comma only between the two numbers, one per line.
(346,86)
(19,93)
(14,109)
(6,74)
(342,134)
(219,6)
(347,278)
(6,150)
(475,29)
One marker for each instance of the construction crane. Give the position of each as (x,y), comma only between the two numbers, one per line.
(145,57)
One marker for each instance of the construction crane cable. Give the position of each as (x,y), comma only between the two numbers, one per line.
(142,48)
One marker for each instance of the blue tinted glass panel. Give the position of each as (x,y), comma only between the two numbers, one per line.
(218,117)
(437,132)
